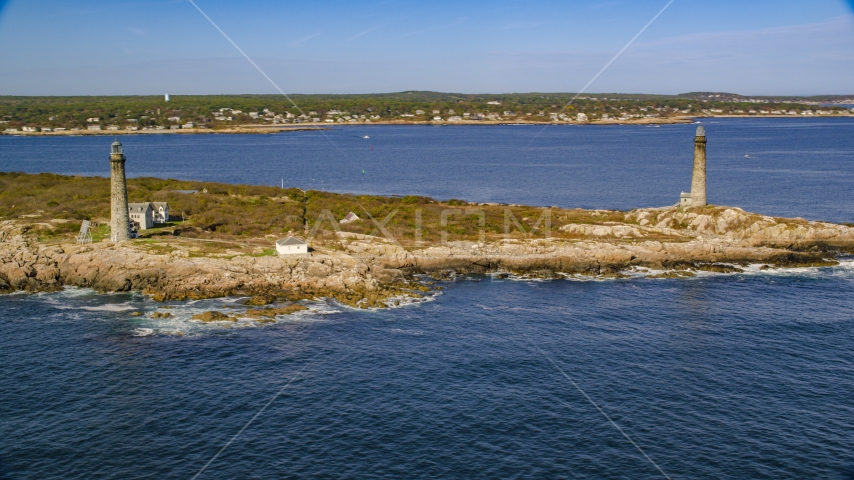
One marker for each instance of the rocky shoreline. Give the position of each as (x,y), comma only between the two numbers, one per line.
(366,271)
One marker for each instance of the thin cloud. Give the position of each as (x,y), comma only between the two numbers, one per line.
(458,21)
(363,33)
(305,39)
(518,26)
(602,5)
(838,24)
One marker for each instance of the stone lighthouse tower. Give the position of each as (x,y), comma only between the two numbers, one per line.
(119,219)
(697,197)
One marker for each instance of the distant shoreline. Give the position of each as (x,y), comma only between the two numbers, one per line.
(271,129)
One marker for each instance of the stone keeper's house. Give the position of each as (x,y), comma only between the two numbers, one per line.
(145,215)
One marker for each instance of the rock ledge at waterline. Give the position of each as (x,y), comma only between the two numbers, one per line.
(366,271)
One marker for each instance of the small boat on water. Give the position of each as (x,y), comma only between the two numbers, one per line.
(747,156)
(366,136)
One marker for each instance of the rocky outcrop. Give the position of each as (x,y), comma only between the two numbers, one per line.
(26,265)
(735,226)
(367,271)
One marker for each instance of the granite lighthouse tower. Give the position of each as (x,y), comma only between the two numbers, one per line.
(697,197)
(119,219)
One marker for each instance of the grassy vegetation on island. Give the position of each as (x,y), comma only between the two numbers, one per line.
(222,241)
(221,112)
(55,205)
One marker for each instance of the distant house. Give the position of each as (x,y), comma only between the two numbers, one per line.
(291,246)
(29,129)
(350,218)
(161,212)
(93,127)
(147,214)
(581,117)
(174,119)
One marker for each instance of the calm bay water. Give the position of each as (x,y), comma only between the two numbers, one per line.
(797,167)
(719,376)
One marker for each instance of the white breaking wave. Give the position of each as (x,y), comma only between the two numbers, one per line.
(109,308)
(414,333)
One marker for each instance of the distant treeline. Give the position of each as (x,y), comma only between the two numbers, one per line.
(216,111)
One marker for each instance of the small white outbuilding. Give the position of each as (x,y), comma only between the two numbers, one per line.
(291,246)
(350,218)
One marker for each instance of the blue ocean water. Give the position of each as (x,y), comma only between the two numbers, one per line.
(719,376)
(797,167)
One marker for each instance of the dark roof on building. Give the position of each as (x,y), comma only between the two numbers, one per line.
(139,207)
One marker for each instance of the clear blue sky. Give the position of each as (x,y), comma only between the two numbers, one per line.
(97,47)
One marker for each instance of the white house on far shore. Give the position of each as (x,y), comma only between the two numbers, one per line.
(291,246)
